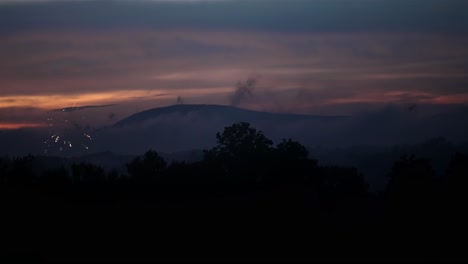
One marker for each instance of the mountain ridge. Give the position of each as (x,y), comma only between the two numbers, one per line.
(212,109)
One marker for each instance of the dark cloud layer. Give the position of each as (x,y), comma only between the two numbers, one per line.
(265,15)
(79,108)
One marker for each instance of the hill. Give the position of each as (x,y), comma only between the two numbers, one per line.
(184,127)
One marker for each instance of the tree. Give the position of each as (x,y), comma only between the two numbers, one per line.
(457,182)
(55,177)
(292,150)
(4,170)
(241,149)
(147,168)
(342,183)
(22,171)
(410,187)
(290,164)
(457,173)
(88,173)
(241,139)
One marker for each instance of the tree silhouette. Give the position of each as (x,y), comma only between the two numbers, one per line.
(242,151)
(292,150)
(146,169)
(22,172)
(4,170)
(113,176)
(290,164)
(88,173)
(410,187)
(341,188)
(55,177)
(456,183)
(457,173)
(239,140)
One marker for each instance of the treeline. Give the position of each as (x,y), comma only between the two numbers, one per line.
(245,159)
(245,170)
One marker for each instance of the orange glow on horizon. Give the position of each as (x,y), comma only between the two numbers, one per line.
(12,126)
(58,101)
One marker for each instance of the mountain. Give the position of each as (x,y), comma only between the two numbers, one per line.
(218,111)
(184,127)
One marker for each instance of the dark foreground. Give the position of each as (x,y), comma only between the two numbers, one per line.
(228,224)
(246,200)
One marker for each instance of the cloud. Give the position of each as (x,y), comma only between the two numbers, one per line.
(262,15)
(79,108)
(300,72)
(13,126)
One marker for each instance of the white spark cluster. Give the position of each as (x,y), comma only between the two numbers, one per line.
(68,135)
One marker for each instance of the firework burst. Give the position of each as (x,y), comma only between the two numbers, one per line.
(67,134)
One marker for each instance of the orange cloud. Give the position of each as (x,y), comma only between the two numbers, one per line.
(55,101)
(9,126)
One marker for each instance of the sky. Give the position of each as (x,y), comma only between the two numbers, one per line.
(327,57)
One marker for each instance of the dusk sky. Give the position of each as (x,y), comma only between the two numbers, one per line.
(307,56)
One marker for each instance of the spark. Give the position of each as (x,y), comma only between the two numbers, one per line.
(68,133)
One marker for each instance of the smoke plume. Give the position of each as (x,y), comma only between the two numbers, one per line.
(243,91)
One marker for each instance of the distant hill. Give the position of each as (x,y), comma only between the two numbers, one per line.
(230,113)
(183,127)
